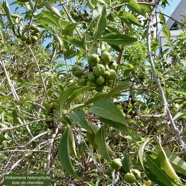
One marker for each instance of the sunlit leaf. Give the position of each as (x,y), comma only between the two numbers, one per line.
(64,154)
(118,39)
(108,110)
(101,24)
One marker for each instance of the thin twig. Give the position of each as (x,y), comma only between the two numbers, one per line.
(14,93)
(51,142)
(39,70)
(12,128)
(157,80)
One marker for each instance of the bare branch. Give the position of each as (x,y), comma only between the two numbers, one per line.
(157,80)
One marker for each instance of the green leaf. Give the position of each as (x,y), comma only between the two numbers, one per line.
(102,147)
(63,97)
(101,24)
(141,151)
(77,92)
(181,114)
(5,98)
(116,125)
(131,18)
(94,99)
(166,32)
(73,41)
(126,164)
(135,7)
(178,164)
(52,9)
(7,11)
(69,29)
(118,39)
(64,153)
(79,117)
(165,164)
(72,145)
(154,167)
(119,87)
(108,110)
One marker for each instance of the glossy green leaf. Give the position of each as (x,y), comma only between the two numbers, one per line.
(154,167)
(178,164)
(94,99)
(64,154)
(118,39)
(131,18)
(126,164)
(52,9)
(108,110)
(119,87)
(102,147)
(135,7)
(73,41)
(79,117)
(165,164)
(119,126)
(101,24)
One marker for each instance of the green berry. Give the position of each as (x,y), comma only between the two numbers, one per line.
(129,177)
(93,60)
(106,57)
(99,70)
(100,80)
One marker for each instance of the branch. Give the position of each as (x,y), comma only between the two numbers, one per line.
(14,93)
(51,142)
(172,19)
(39,70)
(157,80)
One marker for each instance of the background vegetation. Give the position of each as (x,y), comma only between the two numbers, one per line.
(62,114)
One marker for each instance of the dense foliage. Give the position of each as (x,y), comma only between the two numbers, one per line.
(85,95)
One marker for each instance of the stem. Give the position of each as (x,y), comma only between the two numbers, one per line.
(39,70)
(157,80)
(14,93)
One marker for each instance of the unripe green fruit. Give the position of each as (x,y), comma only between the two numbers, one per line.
(82,81)
(136,173)
(24,38)
(116,164)
(106,74)
(106,57)
(35,28)
(77,71)
(99,88)
(91,84)
(91,76)
(99,70)
(28,41)
(34,39)
(93,60)
(113,65)
(100,80)
(112,74)
(129,178)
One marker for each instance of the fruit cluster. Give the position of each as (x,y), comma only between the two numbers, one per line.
(101,71)
(129,177)
(30,34)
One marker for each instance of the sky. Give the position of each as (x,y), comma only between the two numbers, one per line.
(168,10)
